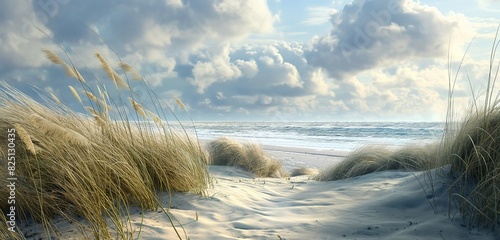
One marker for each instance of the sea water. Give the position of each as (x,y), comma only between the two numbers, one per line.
(343,136)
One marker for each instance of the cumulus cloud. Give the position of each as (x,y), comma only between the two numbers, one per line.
(179,25)
(154,29)
(256,76)
(199,51)
(369,34)
(20,40)
(413,91)
(217,67)
(158,38)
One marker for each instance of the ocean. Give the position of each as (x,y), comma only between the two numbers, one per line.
(343,136)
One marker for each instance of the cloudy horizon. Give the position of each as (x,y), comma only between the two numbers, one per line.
(275,60)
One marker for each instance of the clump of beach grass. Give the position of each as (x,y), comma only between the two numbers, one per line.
(369,159)
(249,156)
(303,171)
(93,167)
(473,152)
(470,146)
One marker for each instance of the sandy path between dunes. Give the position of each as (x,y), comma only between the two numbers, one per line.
(385,205)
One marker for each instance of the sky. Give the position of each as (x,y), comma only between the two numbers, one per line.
(274,60)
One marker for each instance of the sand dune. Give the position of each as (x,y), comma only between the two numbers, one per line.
(384,205)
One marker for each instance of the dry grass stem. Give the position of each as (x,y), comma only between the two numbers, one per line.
(99,121)
(69,70)
(75,94)
(155,118)
(25,138)
(52,129)
(91,96)
(93,169)
(135,74)
(53,57)
(55,99)
(138,108)
(181,104)
(119,82)
(77,75)
(80,171)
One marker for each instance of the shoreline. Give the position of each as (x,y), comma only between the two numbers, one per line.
(292,158)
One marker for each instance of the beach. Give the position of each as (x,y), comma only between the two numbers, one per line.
(262,119)
(381,205)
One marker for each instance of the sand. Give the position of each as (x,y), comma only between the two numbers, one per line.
(293,158)
(384,205)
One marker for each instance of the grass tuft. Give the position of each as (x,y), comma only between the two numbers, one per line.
(93,167)
(303,171)
(472,150)
(229,152)
(469,146)
(369,159)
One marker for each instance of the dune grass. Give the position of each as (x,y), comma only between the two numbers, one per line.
(470,146)
(303,171)
(473,152)
(370,159)
(249,156)
(93,167)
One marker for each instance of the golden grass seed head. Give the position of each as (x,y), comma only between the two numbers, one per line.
(64,134)
(55,98)
(25,138)
(138,108)
(77,74)
(75,94)
(51,56)
(99,121)
(135,74)
(180,103)
(69,71)
(91,96)
(119,82)
(155,118)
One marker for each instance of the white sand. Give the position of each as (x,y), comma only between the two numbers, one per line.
(385,205)
(293,158)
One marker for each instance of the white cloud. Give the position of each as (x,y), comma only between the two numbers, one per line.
(370,66)
(318,15)
(413,92)
(248,68)
(369,34)
(207,73)
(273,78)
(155,29)
(20,38)
(488,3)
